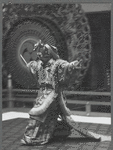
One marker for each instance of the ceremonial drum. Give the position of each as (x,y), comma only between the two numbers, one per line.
(62,25)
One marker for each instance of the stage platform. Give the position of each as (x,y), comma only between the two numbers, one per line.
(13,129)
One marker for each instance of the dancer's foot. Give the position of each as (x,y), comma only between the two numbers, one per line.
(23,142)
(26,141)
(94,135)
(99,136)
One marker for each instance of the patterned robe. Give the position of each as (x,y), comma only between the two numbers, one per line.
(50,103)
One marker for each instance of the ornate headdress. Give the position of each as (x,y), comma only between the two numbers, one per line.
(52,49)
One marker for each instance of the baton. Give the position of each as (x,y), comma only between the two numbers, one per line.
(23,59)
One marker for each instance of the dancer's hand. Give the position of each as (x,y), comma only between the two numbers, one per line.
(76,64)
(32,64)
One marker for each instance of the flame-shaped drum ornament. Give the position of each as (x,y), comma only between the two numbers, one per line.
(64,26)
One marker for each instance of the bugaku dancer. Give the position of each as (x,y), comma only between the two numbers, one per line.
(53,75)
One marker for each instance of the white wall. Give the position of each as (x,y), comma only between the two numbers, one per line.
(93,7)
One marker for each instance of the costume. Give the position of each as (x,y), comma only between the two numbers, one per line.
(50,104)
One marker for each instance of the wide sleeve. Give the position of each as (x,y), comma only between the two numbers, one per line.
(68,72)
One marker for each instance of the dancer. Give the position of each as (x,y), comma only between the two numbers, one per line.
(53,74)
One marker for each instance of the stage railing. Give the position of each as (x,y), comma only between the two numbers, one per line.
(10,96)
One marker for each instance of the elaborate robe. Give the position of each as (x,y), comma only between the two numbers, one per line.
(50,103)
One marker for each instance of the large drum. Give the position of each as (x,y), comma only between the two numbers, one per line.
(62,25)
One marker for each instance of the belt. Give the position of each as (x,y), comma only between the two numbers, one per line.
(45,85)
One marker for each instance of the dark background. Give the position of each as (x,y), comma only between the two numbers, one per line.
(97,77)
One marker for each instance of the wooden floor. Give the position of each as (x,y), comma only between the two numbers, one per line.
(13,131)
